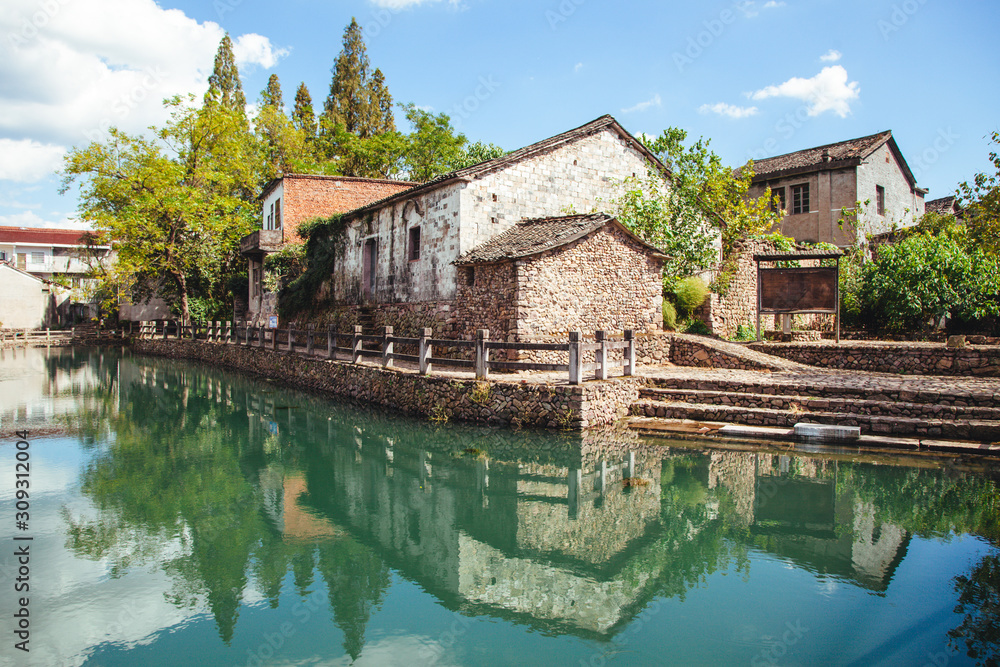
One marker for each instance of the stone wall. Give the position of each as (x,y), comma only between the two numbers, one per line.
(487,296)
(884,357)
(688,350)
(738,305)
(494,402)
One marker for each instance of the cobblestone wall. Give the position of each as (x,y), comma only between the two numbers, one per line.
(514,403)
(723,314)
(883,357)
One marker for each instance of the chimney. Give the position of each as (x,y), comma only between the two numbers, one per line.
(826,155)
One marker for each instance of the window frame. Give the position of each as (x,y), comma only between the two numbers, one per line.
(782,201)
(880,200)
(800,199)
(413,244)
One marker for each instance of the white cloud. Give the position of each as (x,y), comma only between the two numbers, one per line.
(577,67)
(654,101)
(730,110)
(27,161)
(773,4)
(254,49)
(750,10)
(31,219)
(827,91)
(93,64)
(831,56)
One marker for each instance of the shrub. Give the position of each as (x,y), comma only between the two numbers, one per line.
(690,293)
(669,316)
(696,327)
(745,332)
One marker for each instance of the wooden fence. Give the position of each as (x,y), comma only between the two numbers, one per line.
(384,346)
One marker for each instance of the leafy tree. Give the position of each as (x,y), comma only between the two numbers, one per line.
(224,85)
(433,148)
(913,284)
(303,117)
(477,152)
(173,207)
(980,202)
(349,102)
(271,96)
(380,105)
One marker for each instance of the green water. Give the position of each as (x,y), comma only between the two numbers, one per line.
(184,516)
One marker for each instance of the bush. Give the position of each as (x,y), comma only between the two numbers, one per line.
(690,293)
(746,332)
(696,327)
(669,316)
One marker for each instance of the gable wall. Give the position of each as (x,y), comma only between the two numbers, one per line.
(549,185)
(903,207)
(829,191)
(24,301)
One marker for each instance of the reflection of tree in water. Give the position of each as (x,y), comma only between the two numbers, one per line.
(979,600)
(179,472)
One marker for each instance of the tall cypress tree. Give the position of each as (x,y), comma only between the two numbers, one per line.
(224,85)
(349,98)
(380,105)
(303,116)
(271,96)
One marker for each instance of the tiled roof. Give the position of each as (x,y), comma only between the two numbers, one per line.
(540,148)
(530,237)
(810,253)
(840,154)
(942,206)
(44,236)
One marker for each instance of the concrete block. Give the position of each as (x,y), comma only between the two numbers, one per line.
(827,432)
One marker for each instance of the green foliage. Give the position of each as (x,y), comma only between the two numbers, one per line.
(690,293)
(224,87)
(325,244)
(303,116)
(851,265)
(669,315)
(434,148)
(980,202)
(358,101)
(746,332)
(284,266)
(913,284)
(478,152)
(698,327)
(271,96)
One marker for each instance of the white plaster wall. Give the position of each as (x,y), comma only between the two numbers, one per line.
(23,300)
(903,206)
(274,196)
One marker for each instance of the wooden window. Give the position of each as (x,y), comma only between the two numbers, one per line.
(778,199)
(414,253)
(38,258)
(880,200)
(277,213)
(800,198)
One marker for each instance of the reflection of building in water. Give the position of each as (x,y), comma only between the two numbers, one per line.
(793,510)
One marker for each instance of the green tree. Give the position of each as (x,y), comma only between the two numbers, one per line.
(433,148)
(478,152)
(980,202)
(175,206)
(380,105)
(349,100)
(911,285)
(303,117)
(224,85)
(271,96)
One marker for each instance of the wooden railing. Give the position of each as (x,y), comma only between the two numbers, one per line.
(329,343)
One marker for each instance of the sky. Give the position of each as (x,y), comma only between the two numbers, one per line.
(756,77)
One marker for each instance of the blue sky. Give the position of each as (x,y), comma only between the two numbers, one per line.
(758,78)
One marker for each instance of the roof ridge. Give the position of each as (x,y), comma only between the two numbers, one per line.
(829,145)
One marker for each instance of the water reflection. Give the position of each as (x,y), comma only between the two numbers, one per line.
(238,492)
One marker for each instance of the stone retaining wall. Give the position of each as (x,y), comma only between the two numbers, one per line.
(884,357)
(689,350)
(494,402)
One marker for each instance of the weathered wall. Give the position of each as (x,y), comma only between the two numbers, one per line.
(903,206)
(24,300)
(487,299)
(738,305)
(688,350)
(883,357)
(496,402)
(829,191)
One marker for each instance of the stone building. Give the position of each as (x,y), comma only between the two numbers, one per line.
(287,202)
(813,185)
(400,255)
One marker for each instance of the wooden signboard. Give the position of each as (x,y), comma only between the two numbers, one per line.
(798,290)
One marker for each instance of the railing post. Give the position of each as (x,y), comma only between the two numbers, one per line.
(310,332)
(331,341)
(629,352)
(356,344)
(262,331)
(227,332)
(575,360)
(601,355)
(291,338)
(482,353)
(274,336)
(386,347)
(424,353)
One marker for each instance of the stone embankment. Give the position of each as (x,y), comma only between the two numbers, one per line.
(506,401)
(909,358)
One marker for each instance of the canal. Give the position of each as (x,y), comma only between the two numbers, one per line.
(177,514)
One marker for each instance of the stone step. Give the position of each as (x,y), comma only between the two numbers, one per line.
(824,404)
(964,429)
(779,387)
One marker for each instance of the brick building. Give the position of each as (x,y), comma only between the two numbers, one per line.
(291,200)
(814,184)
(411,256)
